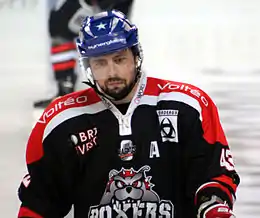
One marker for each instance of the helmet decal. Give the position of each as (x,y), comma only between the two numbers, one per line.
(105,33)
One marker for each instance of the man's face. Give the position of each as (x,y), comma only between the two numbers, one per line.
(114,73)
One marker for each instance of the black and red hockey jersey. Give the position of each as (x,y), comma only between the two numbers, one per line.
(155,160)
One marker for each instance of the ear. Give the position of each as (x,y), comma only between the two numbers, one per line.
(144,169)
(113,173)
(136,60)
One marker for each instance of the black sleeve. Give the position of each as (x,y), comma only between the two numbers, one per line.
(59,19)
(209,164)
(63,55)
(47,189)
(121,5)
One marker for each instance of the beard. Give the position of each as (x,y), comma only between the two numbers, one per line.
(118,91)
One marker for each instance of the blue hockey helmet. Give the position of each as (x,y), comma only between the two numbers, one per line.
(106,32)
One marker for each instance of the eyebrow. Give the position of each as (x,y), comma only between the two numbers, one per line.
(118,54)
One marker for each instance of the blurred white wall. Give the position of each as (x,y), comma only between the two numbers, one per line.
(182,38)
(23,67)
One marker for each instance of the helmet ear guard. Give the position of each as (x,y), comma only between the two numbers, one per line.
(138,54)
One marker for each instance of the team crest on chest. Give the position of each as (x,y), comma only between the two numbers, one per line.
(168,125)
(127,150)
(129,193)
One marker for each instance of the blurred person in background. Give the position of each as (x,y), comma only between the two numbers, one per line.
(129,146)
(64,24)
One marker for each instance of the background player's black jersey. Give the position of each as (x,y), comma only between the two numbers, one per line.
(64,24)
(65,19)
(152,161)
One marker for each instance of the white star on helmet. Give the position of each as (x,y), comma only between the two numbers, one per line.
(101,26)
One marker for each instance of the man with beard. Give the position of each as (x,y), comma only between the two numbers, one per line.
(64,23)
(131,145)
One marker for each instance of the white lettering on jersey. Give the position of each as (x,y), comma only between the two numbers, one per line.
(129,193)
(59,105)
(26,180)
(226,160)
(195,92)
(154,150)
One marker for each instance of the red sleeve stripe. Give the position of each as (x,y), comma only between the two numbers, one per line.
(64,66)
(214,185)
(205,185)
(226,180)
(26,212)
(213,131)
(64,56)
(34,149)
(64,47)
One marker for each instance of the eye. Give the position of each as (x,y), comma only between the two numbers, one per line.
(99,63)
(137,184)
(120,60)
(120,184)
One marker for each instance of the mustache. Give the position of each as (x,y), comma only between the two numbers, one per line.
(115,79)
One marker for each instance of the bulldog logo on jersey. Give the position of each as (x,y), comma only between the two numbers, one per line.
(168,125)
(128,184)
(129,193)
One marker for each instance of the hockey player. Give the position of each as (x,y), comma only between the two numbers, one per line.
(130,146)
(64,24)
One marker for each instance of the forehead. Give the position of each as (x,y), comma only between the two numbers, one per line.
(112,55)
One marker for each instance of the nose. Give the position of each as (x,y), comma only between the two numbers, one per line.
(112,69)
(128,189)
